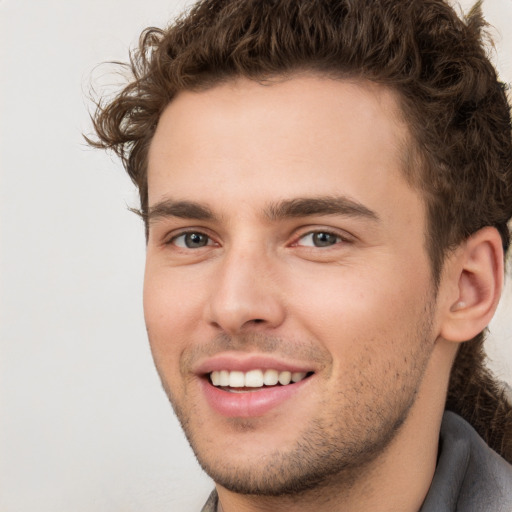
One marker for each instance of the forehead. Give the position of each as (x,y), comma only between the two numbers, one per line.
(302,134)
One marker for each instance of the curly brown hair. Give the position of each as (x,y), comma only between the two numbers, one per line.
(455,107)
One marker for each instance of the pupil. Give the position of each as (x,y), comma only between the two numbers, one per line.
(324,239)
(193,240)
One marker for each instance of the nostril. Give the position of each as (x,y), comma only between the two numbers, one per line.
(258,321)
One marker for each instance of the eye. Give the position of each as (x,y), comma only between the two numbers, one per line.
(319,239)
(191,240)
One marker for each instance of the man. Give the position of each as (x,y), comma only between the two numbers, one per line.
(326,187)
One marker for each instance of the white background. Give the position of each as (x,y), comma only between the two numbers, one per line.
(84,425)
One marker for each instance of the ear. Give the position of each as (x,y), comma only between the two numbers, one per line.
(476,271)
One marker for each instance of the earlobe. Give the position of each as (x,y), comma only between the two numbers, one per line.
(478,271)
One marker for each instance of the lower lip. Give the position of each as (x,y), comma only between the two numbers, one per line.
(251,403)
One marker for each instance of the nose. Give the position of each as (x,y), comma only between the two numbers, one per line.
(245,293)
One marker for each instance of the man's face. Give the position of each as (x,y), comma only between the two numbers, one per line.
(285,243)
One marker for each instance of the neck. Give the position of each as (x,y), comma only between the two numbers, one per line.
(398,479)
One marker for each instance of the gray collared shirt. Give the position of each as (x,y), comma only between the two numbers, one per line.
(469,477)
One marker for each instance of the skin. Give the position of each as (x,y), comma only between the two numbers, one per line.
(359,312)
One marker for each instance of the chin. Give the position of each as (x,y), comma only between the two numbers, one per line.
(320,458)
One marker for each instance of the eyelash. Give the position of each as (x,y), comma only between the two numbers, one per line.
(210,241)
(331,233)
(172,240)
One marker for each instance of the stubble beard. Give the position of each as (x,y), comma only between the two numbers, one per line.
(335,450)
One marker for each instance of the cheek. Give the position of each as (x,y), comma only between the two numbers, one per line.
(352,307)
(170,315)
(170,297)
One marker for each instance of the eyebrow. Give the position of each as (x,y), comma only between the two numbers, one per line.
(325,205)
(180,209)
(288,208)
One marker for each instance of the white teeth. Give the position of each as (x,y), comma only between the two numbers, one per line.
(236,379)
(297,376)
(215,377)
(224,378)
(285,378)
(270,377)
(254,378)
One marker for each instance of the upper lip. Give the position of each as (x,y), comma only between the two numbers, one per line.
(246,362)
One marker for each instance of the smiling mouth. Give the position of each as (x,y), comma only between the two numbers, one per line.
(254,380)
